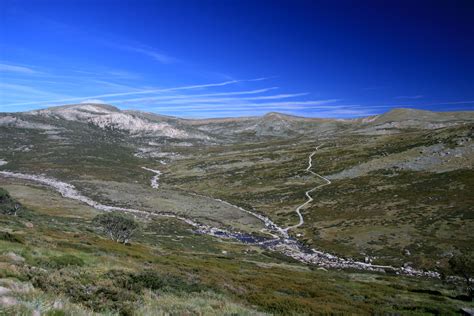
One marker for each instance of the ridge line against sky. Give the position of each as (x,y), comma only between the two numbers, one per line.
(188,58)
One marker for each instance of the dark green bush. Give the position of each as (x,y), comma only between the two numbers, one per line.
(115,290)
(153,280)
(4,195)
(11,237)
(117,226)
(8,205)
(55,312)
(92,291)
(59,262)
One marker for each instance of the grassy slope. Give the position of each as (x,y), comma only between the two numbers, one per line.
(66,259)
(396,215)
(425,213)
(103,166)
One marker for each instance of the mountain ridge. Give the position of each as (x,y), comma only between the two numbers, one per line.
(400,111)
(272,124)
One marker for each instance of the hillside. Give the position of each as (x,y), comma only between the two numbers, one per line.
(275,214)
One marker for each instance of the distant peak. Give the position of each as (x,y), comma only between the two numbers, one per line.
(87,107)
(407,110)
(96,106)
(277,115)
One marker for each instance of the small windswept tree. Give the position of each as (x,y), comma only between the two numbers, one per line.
(8,205)
(118,227)
(463,266)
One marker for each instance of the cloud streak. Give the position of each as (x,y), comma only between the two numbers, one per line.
(181,96)
(202,99)
(16,69)
(148,91)
(410,97)
(170,100)
(160,57)
(9,88)
(314,104)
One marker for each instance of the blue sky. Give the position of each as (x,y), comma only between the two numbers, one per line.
(236,58)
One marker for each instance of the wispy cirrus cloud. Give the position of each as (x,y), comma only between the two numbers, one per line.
(143,91)
(455,102)
(104,39)
(195,99)
(188,96)
(410,97)
(23,92)
(291,105)
(466,102)
(17,69)
(158,56)
(205,100)
(31,92)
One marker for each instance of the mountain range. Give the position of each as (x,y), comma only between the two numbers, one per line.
(274,214)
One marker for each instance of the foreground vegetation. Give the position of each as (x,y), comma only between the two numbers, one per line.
(61,263)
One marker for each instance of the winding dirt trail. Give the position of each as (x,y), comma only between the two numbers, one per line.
(307,193)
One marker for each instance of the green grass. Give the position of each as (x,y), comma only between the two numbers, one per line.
(190,273)
(395,215)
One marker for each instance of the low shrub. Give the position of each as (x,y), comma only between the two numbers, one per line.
(115,290)
(6,236)
(118,227)
(59,262)
(8,205)
(155,281)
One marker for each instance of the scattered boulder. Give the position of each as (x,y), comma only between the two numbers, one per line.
(8,301)
(14,286)
(4,291)
(58,304)
(21,287)
(14,257)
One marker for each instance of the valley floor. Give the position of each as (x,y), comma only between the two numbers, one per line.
(54,259)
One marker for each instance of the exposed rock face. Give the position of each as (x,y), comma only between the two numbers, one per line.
(105,116)
(12,121)
(136,125)
(79,112)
